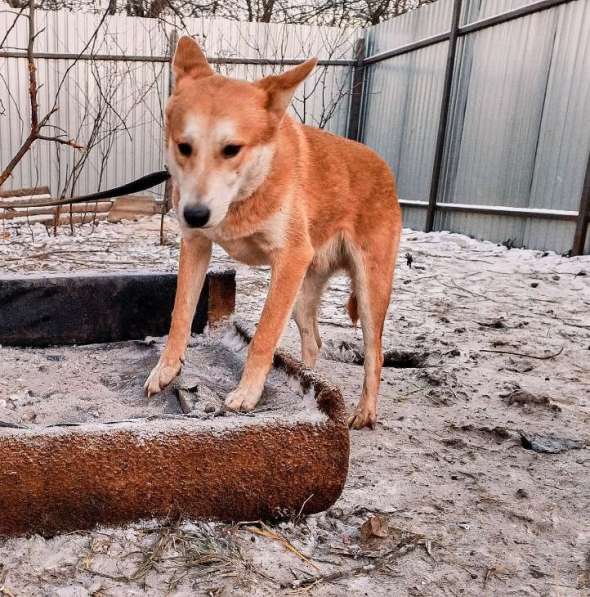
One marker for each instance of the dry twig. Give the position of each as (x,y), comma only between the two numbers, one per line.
(379,564)
(265,531)
(523,354)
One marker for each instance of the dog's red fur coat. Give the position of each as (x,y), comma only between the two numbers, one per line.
(319,203)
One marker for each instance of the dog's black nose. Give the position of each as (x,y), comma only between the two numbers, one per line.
(196,216)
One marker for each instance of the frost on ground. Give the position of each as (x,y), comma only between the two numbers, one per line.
(99,383)
(475,481)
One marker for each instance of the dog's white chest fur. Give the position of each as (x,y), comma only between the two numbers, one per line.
(251,250)
(258,247)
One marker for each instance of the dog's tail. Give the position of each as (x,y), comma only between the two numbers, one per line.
(353,309)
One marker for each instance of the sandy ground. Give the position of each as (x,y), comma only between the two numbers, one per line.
(100,383)
(474,482)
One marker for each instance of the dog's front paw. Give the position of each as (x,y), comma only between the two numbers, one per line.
(363,416)
(242,399)
(162,374)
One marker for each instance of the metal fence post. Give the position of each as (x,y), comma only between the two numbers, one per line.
(167,203)
(171,48)
(444,116)
(583,215)
(356,92)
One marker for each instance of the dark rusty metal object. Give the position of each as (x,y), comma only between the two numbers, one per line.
(61,479)
(74,478)
(87,308)
(221,296)
(58,479)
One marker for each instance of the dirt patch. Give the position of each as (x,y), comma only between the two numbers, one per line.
(100,383)
(482,514)
(528,400)
(347,352)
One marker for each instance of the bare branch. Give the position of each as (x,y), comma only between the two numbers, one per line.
(61,140)
(36,123)
(13,24)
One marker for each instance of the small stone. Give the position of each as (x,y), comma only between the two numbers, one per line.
(210,408)
(522,494)
(56,357)
(335,512)
(536,572)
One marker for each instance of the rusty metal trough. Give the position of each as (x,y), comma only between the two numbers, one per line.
(63,478)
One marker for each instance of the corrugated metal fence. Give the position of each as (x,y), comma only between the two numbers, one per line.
(512,79)
(481,107)
(110,77)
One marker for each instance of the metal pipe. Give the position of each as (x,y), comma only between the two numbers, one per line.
(417,45)
(444,116)
(510,15)
(134,58)
(497,210)
(583,215)
(356,92)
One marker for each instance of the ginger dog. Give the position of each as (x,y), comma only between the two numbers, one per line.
(275,192)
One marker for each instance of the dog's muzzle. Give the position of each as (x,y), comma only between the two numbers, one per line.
(196,216)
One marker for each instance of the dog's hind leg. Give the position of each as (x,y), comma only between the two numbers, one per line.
(371,270)
(305,314)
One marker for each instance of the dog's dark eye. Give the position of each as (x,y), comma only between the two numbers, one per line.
(229,151)
(185,149)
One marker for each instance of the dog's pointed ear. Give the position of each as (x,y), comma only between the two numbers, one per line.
(190,60)
(280,88)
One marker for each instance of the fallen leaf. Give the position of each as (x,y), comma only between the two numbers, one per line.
(374,527)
